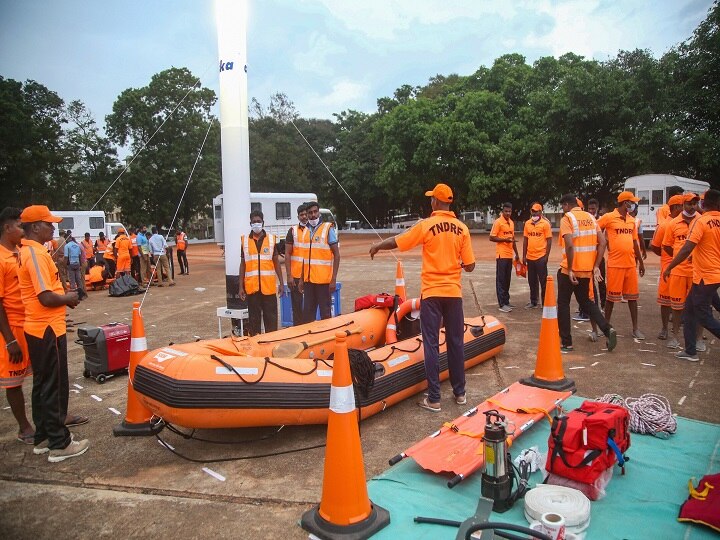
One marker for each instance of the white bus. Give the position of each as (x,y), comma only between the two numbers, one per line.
(82,221)
(279,211)
(652,191)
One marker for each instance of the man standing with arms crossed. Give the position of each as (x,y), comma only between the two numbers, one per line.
(45,333)
(583,247)
(704,244)
(623,255)
(320,264)
(537,243)
(446,250)
(294,255)
(503,234)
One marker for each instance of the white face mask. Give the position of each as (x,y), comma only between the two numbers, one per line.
(256,227)
(535,218)
(687,214)
(303,221)
(314,222)
(632,208)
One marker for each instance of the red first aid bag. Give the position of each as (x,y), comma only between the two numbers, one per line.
(585,442)
(520,268)
(375,300)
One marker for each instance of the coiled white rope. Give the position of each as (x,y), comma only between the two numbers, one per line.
(649,413)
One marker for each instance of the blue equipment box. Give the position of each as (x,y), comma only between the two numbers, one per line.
(286,316)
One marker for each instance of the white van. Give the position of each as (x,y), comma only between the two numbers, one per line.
(279,211)
(82,221)
(652,191)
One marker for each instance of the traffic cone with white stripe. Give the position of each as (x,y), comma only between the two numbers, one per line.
(137,417)
(548,366)
(345,511)
(400,283)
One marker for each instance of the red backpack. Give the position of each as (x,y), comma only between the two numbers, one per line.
(585,442)
(376,300)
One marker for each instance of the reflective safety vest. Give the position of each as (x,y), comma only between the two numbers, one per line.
(109,253)
(584,235)
(89,249)
(101,245)
(318,259)
(299,251)
(134,248)
(180,241)
(259,268)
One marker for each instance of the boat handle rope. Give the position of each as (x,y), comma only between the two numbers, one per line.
(265,365)
(308,333)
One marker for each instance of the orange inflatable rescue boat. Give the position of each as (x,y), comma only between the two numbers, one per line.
(284,377)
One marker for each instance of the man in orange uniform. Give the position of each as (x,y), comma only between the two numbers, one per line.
(623,253)
(503,234)
(45,332)
(537,243)
(122,248)
(676,233)
(14,357)
(181,242)
(320,264)
(704,244)
(446,250)
(663,213)
(583,248)
(294,255)
(87,245)
(675,203)
(259,264)
(101,245)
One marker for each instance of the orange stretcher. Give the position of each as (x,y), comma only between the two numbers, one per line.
(457,447)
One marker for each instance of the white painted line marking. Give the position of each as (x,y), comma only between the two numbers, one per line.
(648,343)
(645,350)
(692,383)
(6,408)
(165,444)
(76,391)
(114,410)
(600,354)
(104,313)
(575,325)
(577,367)
(636,340)
(96,398)
(76,385)
(153,326)
(512,367)
(646,364)
(594,363)
(682,400)
(212,473)
(197,337)
(87,309)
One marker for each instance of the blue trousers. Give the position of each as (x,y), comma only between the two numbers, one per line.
(434,311)
(698,311)
(503,273)
(537,278)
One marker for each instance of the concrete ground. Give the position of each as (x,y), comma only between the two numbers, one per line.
(135,487)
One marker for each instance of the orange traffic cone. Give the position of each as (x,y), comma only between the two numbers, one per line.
(137,417)
(400,283)
(345,511)
(548,366)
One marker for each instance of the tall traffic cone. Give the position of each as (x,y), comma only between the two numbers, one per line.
(345,511)
(400,283)
(548,366)
(137,417)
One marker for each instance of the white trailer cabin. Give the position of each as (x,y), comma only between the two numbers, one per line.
(82,221)
(652,191)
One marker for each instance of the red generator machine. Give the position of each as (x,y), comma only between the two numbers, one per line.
(107,350)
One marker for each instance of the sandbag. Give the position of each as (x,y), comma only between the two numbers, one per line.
(124,285)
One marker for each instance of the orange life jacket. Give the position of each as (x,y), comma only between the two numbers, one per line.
(318,259)
(259,268)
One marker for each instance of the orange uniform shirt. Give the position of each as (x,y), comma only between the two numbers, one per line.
(621,234)
(657,241)
(662,214)
(705,233)
(503,228)
(133,249)
(123,245)
(537,234)
(10,287)
(676,233)
(37,274)
(445,244)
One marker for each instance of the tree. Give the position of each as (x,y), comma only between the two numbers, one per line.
(150,190)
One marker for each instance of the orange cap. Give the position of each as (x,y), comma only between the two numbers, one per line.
(675,200)
(38,212)
(537,207)
(441,192)
(579,203)
(627,196)
(121,230)
(687,197)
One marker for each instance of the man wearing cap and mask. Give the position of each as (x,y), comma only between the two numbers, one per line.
(537,242)
(704,244)
(45,332)
(623,257)
(294,254)
(675,206)
(446,250)
(503,234)
(680,281)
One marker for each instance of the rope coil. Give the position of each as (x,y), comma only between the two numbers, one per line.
(649,413)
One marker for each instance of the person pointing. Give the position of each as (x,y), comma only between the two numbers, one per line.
(446,250)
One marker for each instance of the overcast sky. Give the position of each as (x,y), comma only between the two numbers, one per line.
(326,55)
